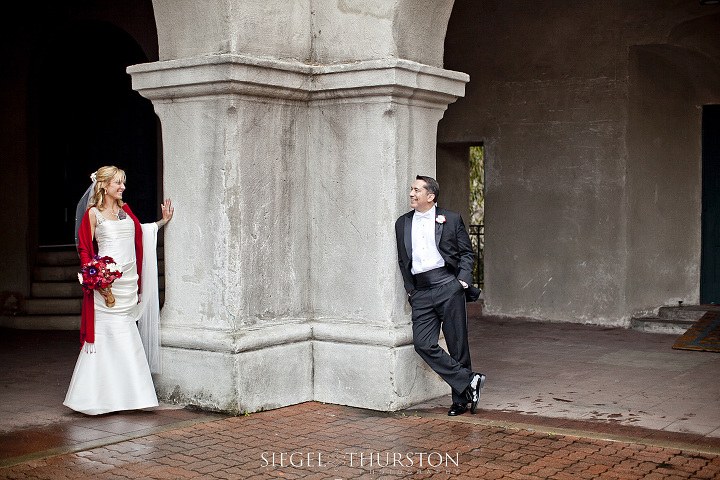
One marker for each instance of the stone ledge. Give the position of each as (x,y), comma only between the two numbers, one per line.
(226,341)
(660,325)
(294,81)
(377,335)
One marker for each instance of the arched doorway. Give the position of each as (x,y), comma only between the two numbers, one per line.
(89,116)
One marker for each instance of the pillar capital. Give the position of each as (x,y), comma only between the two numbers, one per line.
(229,74)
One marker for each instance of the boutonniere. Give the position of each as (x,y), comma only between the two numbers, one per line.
(440,219)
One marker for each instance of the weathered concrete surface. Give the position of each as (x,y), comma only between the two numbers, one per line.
(318,31)
(590,119)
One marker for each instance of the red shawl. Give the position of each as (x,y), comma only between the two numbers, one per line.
(86,249)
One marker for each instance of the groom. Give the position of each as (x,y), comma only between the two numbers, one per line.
(436,260)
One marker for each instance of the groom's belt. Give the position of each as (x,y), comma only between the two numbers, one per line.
(433,278)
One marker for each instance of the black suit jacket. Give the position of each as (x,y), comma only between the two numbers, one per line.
(453,243)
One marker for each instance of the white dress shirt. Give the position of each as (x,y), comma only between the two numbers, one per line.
(425,255)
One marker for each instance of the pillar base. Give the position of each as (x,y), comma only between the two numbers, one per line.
(240,375)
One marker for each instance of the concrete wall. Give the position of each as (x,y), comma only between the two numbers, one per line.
(592,150)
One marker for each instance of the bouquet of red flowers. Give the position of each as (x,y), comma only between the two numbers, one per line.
(99,274)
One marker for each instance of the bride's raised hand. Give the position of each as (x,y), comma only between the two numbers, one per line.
(167,212)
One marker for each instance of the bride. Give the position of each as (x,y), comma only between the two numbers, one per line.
(112,372)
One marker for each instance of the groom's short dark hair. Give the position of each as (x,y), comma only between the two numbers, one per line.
(431,185)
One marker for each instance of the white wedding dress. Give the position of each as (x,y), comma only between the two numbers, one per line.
(116,375)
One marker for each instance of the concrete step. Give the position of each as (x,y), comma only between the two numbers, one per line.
(55,301)
(56,273)
(69,257)
(65,273)
(691,312)
(49,314)
(53,306)
(672,320)
(56,289)
(69,289)
(41,322)
(57,257)
(660,325)
(54,296)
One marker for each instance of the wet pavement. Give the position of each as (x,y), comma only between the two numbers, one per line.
(561,401)
(317,441)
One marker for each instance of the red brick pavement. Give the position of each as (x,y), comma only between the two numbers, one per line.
(325,442)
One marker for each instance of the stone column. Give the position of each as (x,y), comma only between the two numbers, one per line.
(373,128)
(282,283)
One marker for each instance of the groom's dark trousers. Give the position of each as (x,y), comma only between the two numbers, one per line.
(439,299)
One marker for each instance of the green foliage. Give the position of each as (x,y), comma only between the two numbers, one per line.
(477,186)
(477,209)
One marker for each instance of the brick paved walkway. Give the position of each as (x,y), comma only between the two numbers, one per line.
(317,441)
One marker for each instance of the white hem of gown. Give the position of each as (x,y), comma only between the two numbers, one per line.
(116,377)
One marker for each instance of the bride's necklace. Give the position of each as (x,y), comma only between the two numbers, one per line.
(121,215)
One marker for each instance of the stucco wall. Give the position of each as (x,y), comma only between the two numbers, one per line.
(592,203)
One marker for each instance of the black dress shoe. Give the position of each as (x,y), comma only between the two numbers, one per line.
(476,384)
(457,409)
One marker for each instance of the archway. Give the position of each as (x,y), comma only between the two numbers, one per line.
(89,116)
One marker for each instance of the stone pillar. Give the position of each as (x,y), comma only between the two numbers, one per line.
(372,128)
(282,283)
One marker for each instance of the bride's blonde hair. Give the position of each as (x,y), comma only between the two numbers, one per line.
(103,177)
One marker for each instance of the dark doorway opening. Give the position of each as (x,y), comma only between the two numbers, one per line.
(710,254)
(89,116)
